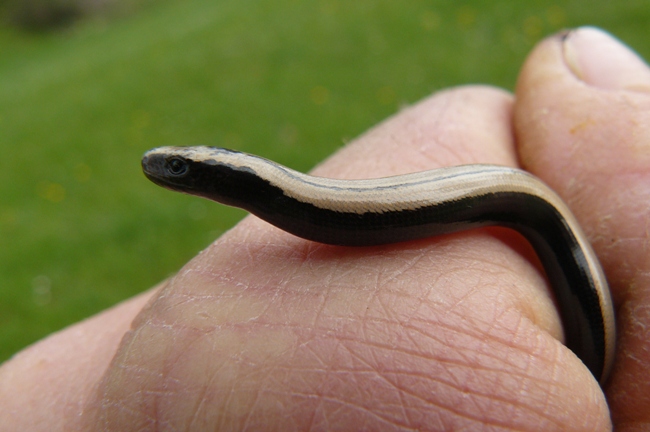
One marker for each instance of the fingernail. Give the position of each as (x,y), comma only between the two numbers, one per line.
(600,60)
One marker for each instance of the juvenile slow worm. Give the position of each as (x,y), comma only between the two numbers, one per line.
(412,206)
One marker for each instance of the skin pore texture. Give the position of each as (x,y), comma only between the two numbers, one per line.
(263,330)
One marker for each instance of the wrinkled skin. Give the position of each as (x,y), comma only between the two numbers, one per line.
(265,331)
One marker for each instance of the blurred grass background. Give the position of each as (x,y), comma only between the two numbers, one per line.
(82,229)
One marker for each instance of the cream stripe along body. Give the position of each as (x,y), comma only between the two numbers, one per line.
(408,207)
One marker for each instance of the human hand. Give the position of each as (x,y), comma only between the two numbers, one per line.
(267,331)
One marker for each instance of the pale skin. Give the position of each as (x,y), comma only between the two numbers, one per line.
(267,331)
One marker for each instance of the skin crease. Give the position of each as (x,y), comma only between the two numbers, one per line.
(266,331)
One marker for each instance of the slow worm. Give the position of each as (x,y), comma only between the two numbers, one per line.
(412,206)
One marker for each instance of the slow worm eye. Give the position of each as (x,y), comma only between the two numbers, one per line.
(177,166)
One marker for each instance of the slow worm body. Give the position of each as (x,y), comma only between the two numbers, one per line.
(407,207)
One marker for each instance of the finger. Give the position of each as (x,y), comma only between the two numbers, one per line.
(266,330)
(43,387)
(583,124)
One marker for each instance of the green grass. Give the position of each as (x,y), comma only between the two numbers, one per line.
(81,228)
